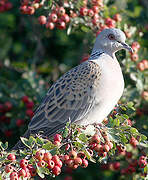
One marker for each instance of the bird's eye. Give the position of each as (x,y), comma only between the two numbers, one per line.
(111,37)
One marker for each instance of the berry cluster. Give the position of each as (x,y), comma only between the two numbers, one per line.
(5,109)
(29,105)
(29,7)
(5,5)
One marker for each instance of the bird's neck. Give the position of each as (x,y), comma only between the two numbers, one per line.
(97,52)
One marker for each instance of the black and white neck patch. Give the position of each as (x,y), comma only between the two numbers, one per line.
(95,54)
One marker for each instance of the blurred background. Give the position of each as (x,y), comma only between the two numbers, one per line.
(32,57)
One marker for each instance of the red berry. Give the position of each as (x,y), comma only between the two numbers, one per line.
(98,148)
(40,154)
(8,133)
(41,163)
(102,154)
(136,44)
(78,161)
(30,10)
(59,163)
(20,122)
(8,106)
(72,154)
(23,163)
(51,164)
(14,176)
(70,163)
(90,13)
(65,18)
(95,9)
(110,23)
(133,142)
(106,148)
(50,25)
(61,24)
(42,20)
(141,66)
(9,168)
(142,163)
(116,165)
(22,173)
(117,17)
(56,170)
(47,156)
(29,113)
(95,138)
(84,163)
(11,157)
(110,144)
(82,155)
(61,11)
(134,57)
(53,17)
(145,62)
(56,159)
(25,99)
(30,105)
(83,11)
(58,137)
(32,171)
(67,147)
(129,155)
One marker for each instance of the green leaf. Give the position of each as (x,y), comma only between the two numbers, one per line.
(4,146)
(78,145)
(133,130)
(65,132)
(31,141)
(39,141)
(143,137)
(48,146)
(40,171)
(25,142)
(83,138)
(85,29)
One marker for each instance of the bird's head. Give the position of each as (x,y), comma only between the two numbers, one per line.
(111,40)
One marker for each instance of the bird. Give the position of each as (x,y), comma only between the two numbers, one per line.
(87,93)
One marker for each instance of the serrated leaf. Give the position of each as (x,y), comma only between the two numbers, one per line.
(82,137)
(48,146)
(123,139)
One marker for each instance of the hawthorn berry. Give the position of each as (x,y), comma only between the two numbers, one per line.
(14,176)
(25,99)
(78,161)
(47,156)
(51,164)
(29,113)
(95,138)
(61,11)
(20,122)
(72,154)
(40,154)
(23,163)
(133,142)
(22,173)
(50,25)
(134,57)
(58,137)
(11,157)
(56,170)
(53,17)
(41,163)
(42,20)
(83,11)
(84,163)
(9,168)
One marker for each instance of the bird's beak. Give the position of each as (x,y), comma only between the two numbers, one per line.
(126,46)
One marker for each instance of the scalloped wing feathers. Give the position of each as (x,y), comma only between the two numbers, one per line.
(72,96)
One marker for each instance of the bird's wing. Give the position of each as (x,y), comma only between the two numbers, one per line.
(71,97)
